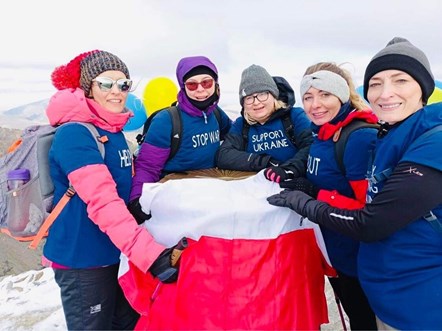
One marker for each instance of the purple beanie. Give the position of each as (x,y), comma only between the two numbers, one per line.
(187,64)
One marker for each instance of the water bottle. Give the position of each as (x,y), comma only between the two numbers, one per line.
(17,178)
(18,212)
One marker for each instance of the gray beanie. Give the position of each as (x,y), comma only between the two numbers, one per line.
(256,79)
(402,55)
(96,63)
(327,81)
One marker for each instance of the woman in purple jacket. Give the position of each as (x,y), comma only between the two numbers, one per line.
(201,133)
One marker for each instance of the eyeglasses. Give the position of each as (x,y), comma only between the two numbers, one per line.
(205,84)
(261,97)
(105,84)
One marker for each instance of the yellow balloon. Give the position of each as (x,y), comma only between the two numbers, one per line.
(159,93)
(436,96)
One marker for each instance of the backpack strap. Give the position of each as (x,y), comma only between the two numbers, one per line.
(176,133)
(289,127)
(343,137)
(434,221)
(141,137)
(424,135)
(218,117)
(245,134)
(177,130)
(44,144)
(381,176)
(70,192)
(430,217)
(43,231)
(100,140)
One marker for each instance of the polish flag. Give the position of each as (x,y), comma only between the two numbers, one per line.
(249,265)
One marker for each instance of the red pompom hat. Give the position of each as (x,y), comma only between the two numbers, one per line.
(81,70)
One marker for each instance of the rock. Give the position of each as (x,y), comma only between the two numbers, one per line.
(16,257)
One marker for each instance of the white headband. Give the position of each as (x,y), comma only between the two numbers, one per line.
(328,81)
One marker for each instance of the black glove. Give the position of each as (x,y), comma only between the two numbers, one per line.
(301,184)
(295,200)
(136,211)
(273,162)
(278,174)
(166,266)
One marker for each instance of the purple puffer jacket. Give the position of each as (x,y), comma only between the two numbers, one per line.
(151,159)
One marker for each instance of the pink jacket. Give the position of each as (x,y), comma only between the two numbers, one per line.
(132,240)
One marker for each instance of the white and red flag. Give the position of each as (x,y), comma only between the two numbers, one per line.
(249,265)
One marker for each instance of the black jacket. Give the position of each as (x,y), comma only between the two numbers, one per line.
(232,153)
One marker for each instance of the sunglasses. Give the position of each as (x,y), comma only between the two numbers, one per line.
(205,84)
(105,84)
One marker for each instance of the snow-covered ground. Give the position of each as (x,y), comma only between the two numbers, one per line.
(31,301)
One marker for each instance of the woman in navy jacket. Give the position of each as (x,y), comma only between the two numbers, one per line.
(265,102)
(400,260)
(332,103)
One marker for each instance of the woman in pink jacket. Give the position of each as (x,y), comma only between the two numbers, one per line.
(85,242)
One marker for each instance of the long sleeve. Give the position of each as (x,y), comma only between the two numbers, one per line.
(231,155)
(148,166)
(106,209)
(334,199)
(408,194)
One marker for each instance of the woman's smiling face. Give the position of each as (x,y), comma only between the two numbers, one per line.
(394,95)
(258,110)
(320,106)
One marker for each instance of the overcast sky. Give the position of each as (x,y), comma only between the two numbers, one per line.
(151,36)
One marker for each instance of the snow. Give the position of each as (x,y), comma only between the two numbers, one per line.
(31,301)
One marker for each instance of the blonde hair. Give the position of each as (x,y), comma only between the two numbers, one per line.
(356,100)
(277,104)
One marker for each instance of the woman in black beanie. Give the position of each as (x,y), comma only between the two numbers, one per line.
(400,228)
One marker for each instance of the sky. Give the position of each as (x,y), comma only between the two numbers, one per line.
(151,36)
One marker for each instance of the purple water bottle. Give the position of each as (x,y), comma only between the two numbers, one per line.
(17,178)
(18,214)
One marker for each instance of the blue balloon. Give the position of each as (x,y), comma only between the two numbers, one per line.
(136,106)
(360,91)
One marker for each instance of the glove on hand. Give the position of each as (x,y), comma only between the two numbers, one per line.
(295,200)
(278,174)
(136,211)
(301,184)
(166,266)
(273,162)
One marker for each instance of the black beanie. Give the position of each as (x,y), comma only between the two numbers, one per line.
(200,70)
(402,55)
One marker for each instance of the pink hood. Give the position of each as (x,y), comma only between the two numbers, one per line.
(71,105)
